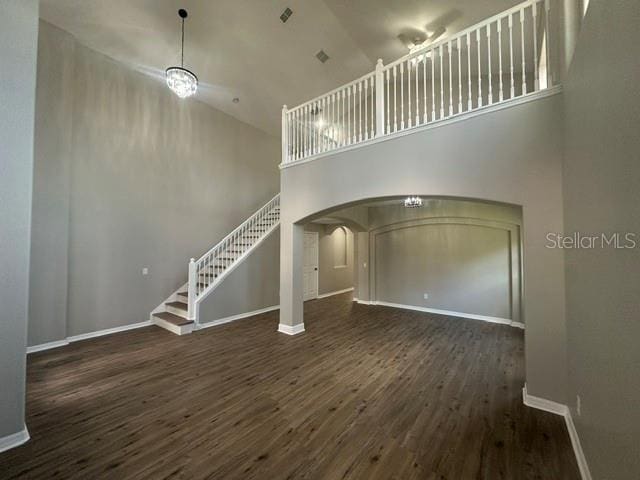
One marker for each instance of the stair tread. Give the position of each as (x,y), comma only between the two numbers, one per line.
(177,304)
(184,294)
(173,319)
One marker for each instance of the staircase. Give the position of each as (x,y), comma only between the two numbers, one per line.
(179,312)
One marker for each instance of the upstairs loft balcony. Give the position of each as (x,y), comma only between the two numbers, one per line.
(501,60)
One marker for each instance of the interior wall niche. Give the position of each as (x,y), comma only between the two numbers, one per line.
(461,265)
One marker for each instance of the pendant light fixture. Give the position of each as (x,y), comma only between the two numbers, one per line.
(183,82)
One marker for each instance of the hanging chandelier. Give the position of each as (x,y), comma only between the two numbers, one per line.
(180,80)
(413,202)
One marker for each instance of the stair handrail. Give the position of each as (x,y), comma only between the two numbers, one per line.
(195,266)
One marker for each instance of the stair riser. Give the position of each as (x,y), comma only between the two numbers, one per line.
(178,330)
(177,311)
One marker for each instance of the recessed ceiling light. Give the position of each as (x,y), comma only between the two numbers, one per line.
(236,100)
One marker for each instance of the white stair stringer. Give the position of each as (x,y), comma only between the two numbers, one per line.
(180,312)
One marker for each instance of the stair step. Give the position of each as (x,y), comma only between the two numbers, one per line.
(179,305)
(173,319)
(184,294)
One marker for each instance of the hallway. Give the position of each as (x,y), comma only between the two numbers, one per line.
(364,393)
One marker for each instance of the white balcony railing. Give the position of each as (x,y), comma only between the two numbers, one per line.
(500,59)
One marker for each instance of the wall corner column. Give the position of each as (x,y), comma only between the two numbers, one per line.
(291,281)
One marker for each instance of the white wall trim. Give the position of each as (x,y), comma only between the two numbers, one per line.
(14,440)
(337,292)
(470,316)
(85,336)
(239,316)
(291,330)
(560,409)
(363,302)
(554,90)
(543,404)
(47,346)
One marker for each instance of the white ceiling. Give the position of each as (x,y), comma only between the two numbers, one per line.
(240,48)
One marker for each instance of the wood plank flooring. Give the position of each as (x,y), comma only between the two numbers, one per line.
(365,393)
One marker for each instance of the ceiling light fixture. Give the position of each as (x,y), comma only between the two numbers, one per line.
(413,202)
(180,80)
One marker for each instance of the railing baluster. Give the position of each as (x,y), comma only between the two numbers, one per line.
(366,109)
(513,90)
(450,81)
(388,117)
(360,111)
(500,94)
(459,79)
(524,73)
(490,82)
(409,93)
(374,95)
(433,86)
(354,140)
(424,87)
(417,92)
(536,79)
(402,96)
(441,85)
(547,42)
(395,94)
(469,101)
(479,68)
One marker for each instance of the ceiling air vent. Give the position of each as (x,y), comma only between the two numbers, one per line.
(286,14)
(322,56)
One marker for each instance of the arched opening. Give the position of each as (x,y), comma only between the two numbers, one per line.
(451,256)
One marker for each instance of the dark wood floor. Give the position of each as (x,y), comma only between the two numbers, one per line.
(365,393)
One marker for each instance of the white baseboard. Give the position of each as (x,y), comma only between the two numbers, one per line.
(291,330)
(337,292)
(470,316)
(363,302)
(85,336)
(47,346)
(14,440)
(240,316)
(560,409)
(543,404)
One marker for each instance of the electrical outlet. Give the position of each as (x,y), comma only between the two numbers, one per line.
(426,296)
(578,405)
(145,271)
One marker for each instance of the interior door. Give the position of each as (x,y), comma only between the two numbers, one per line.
(310,265)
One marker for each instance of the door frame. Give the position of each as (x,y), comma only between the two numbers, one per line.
(317,266)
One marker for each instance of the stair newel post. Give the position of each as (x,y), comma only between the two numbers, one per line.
(285,139)
(379,99)
(193,277)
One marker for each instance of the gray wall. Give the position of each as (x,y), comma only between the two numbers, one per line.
(464,255)
(330,278)
(509,156)
(252,286)
(602,194)
(18,37)
(130,176)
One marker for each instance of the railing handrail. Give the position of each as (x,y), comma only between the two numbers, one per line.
(335,90)
(237,229)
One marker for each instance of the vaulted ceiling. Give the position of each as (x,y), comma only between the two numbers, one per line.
(240,48)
